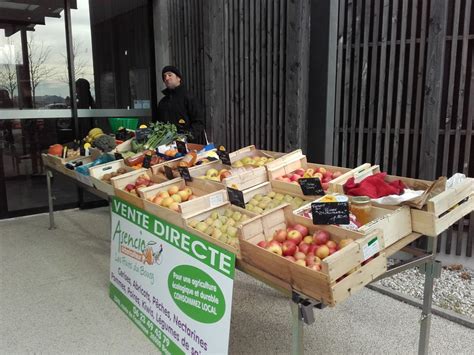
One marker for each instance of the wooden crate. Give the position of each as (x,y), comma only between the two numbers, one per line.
(159,169)
(333,283)
(205,198)
(119,183)
(97,172)
(241,178)
(251,151)
(205,213)
(56,162)
(395,223)
(296,160)
(440,211)
(265,188)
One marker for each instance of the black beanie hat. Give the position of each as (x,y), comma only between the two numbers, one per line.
(172,69)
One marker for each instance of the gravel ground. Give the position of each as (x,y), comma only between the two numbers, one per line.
(454,290)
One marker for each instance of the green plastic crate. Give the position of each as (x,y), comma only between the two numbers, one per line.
(117,122)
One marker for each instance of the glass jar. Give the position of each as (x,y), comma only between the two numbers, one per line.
(361,207)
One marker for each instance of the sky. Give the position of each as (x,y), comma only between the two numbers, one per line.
(53,36)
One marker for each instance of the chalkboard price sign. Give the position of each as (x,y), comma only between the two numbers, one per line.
(118,156)
(330,212)
(184,172)
(169,173)
(224,156)
(147,161)
(236,197)
(311,186)
(181,146)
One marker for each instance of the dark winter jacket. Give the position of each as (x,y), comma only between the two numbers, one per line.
(182,109)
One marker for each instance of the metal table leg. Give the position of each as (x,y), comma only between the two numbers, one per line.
(430,271)
(49,175)
(297,329)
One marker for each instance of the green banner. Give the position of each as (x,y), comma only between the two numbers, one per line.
(212,255)
(164,343)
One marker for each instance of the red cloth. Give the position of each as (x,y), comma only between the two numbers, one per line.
(374,186)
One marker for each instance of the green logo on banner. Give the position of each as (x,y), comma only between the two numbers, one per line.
(196,293)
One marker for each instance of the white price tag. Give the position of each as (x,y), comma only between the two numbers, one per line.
(371,248)
(216,200)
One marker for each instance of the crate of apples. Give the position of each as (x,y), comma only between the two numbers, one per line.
(172,197)
(216,175)
(221,225)
(296,244)
(324,175)
(141,182)
(260,203)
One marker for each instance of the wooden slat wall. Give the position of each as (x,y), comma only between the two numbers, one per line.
(258,95)
(382,94)
(187,43)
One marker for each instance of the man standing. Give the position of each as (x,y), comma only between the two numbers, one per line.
(179,106)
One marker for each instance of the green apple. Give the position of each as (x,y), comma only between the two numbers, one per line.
(232,231)
(236,216)
(209,230)
(201,226)
(228,213)
(279,197)
(215,215)
(193,223)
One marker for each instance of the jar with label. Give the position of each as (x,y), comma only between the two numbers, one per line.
(361,207)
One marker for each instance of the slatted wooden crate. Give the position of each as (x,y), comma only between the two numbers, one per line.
(119,183)
(395,223)
(207,212)
(241,178)
(266,187)
(251,152)
(441,211)
(296,160)
(205,196)
(97,172)
(342,274)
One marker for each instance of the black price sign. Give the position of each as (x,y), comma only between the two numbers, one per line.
(184,172)
(311,186)
(147,161)
(330,212)
(236,197)
(223,155)
(169,173)
(118,156)
(181,146)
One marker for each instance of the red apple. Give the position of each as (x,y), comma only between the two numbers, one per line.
(289,257)
(299,171)
(322,252)
(286,179)
(299,256)
(318,175)
(263,244)
(311,259)
(336,174)
(295,177)
(313,248)
(289,248)
(303,247)
(280,235)
(331,244)
(332,251)
(130,187)
(295,236)
(325,185)
(321,237)
(322,170)
(275,248)
(302,229)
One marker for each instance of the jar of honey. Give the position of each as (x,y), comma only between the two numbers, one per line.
(360,207)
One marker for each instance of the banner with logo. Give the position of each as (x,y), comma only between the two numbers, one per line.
(176,287)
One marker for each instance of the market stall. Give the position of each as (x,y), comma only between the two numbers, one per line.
(307,230)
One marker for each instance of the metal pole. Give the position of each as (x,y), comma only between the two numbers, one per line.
(425,323)
(49,175)
(70,66)
(297,329)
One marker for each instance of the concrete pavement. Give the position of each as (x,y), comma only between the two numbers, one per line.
(54,299)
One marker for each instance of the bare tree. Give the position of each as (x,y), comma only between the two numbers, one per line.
(8,77)
(80,62)
(38,55)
